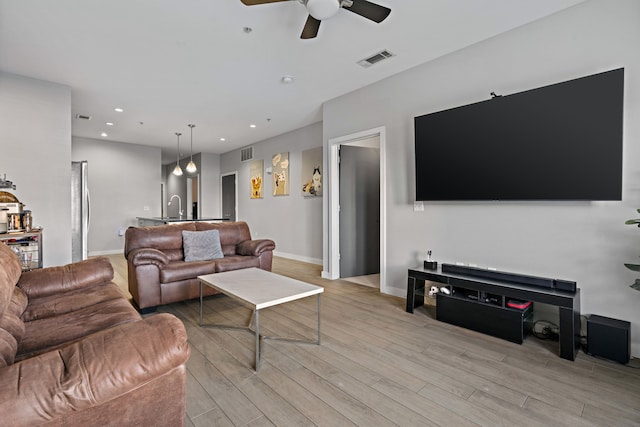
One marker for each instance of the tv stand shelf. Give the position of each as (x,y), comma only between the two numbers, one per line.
(480,303)
(483,313)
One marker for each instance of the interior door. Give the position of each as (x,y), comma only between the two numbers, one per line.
(229,197)
(359,211)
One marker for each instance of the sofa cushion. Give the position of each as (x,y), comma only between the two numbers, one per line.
(55,280)
(176,271)
(231,233)
(12,327)
(236,262)
(8,348)
(201,245)
(162,237)
(54,332)
(54,305)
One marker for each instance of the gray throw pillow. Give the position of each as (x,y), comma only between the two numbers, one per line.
(201,245)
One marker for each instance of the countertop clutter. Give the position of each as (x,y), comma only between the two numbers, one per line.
(17,231)
(13,216)
(160,220)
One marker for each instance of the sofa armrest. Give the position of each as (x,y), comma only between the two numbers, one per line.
(145,256)
(255,247)
(51,280)
(90,372)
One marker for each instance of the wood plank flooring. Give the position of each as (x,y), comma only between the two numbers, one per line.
(380,366)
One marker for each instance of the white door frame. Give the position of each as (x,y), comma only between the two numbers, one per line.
(334,201)
(235,173)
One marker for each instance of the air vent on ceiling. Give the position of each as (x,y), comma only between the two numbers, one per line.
(83,117)
(374,59)
(246,154)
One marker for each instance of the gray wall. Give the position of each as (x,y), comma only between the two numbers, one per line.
(123,180)
(209,175)
(35,119)
(587,242)
(210,185)
(293,222)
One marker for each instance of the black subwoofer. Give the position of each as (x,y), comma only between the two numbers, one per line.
(609,338)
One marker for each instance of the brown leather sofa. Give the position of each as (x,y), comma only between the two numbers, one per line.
(158,273)
(75,352)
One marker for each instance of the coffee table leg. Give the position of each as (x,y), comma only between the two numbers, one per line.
(318,319)
(257,332)
(200,303)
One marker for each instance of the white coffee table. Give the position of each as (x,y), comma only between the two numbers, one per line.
(259,289)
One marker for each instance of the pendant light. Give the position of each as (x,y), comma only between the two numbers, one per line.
(191,167)
(177,171)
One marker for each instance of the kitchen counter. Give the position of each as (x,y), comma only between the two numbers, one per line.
(158,220)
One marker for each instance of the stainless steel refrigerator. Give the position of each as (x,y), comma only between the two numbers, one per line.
(80,211)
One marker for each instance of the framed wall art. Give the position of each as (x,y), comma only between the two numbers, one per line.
(312,172)
(256,173)
(280,173)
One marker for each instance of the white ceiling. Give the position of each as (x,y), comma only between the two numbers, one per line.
(168,63)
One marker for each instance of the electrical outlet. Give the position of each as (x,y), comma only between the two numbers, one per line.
(418,206)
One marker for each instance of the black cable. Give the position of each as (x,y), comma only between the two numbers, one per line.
(545,330)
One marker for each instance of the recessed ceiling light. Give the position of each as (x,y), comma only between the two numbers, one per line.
(287,80)
(252,125)
(109,123)
(247,29)
(223,139)
(119,110)
(103,134)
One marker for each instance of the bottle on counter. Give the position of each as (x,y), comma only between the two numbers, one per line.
(27,221)
(3,219)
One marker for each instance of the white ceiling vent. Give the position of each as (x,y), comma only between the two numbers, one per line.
(246,154)
(374,59)
(83,117)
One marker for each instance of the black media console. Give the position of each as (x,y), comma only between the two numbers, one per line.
(479,300)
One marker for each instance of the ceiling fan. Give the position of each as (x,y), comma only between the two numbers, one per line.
(320,10)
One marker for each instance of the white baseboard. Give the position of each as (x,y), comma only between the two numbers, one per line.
(396,292)
(298,257)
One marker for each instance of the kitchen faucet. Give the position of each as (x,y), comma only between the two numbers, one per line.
(179,205)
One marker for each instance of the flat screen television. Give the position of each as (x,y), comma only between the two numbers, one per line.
(558,142)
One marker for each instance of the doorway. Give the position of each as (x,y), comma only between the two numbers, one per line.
(229,194)
(193,192)
(335,236)
(360,211)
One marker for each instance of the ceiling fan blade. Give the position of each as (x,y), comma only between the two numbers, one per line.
(369,10)
(255,2)
(311,28)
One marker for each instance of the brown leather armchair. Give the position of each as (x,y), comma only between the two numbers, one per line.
(74,351)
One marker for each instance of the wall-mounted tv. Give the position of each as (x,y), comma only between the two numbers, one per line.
(558,142)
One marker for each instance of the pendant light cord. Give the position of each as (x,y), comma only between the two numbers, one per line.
(191,126)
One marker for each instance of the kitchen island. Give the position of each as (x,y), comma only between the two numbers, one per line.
(161,220)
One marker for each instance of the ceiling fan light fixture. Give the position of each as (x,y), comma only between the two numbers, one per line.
(322,9)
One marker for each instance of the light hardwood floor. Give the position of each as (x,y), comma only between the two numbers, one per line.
(379,366)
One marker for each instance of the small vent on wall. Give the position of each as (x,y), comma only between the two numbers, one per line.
(83,117)
(374,59)
(246,154)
